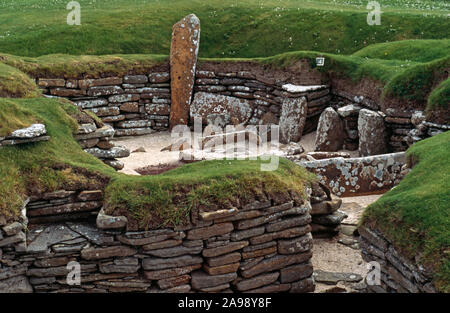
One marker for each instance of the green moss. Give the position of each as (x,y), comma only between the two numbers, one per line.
(44,166)
(439,97)
(415,215)
(167,199)
(69,66)
(407,50)
(417,82)
(14,116)
(16,84)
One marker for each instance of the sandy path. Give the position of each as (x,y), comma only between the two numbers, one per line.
(152,144)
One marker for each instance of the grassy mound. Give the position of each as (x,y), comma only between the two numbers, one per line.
(69,66)
(16,84)
(167,199)
(407,50)
(45,166)
(246,28)
(417,83)
(439,97)
(415,215)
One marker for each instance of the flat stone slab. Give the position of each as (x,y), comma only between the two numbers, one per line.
(202,280)
(332,278)
(51,235)
(302,88)
(35,130)
(113,153)
(205,104)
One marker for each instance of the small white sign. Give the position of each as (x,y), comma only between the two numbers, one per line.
(320,61)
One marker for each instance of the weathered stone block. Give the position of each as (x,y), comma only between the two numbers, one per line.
(205,104)
(221,269)
(212,252)
(295,272)
(292,119)
(104,253)
(296,245)
(275,263)
(372,133)
(154,264)
(330,133)
(183,62)
(211,231)
(258,281)
(202,280)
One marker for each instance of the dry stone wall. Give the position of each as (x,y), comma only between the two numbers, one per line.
(132,104)
(260,247)
(366,175)
(398,273)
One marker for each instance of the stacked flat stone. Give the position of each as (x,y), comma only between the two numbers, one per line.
(264,246)
(64,205)
(399,129)
(349,115)
(423,129)
(398,273)
(97,141)
(349,176)
(33,133)
(259,99)
(12,271)
(133,104)
(326,217)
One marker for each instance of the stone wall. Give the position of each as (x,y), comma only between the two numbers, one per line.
(261,247)
(242,92)
(398,273)
(140,104)
(366,175)
(132,104)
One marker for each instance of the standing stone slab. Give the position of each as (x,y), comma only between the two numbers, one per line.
(372,133)
(183,62)
(208,106)
(292,119)
(330,132)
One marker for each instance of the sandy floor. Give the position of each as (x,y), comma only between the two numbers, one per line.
(153,144)
(331,256)
(307,142)
(354,207)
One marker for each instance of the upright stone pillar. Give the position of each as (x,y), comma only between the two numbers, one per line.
(372,133)
(292,119)
(330,131)
(183,61)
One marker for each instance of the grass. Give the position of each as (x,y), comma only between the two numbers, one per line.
(244,28)
(439,97)
(152,200)
(407,50)
(16,84)
(167,199)
(415,215)
(89,66)
(44,166)
(14,116)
